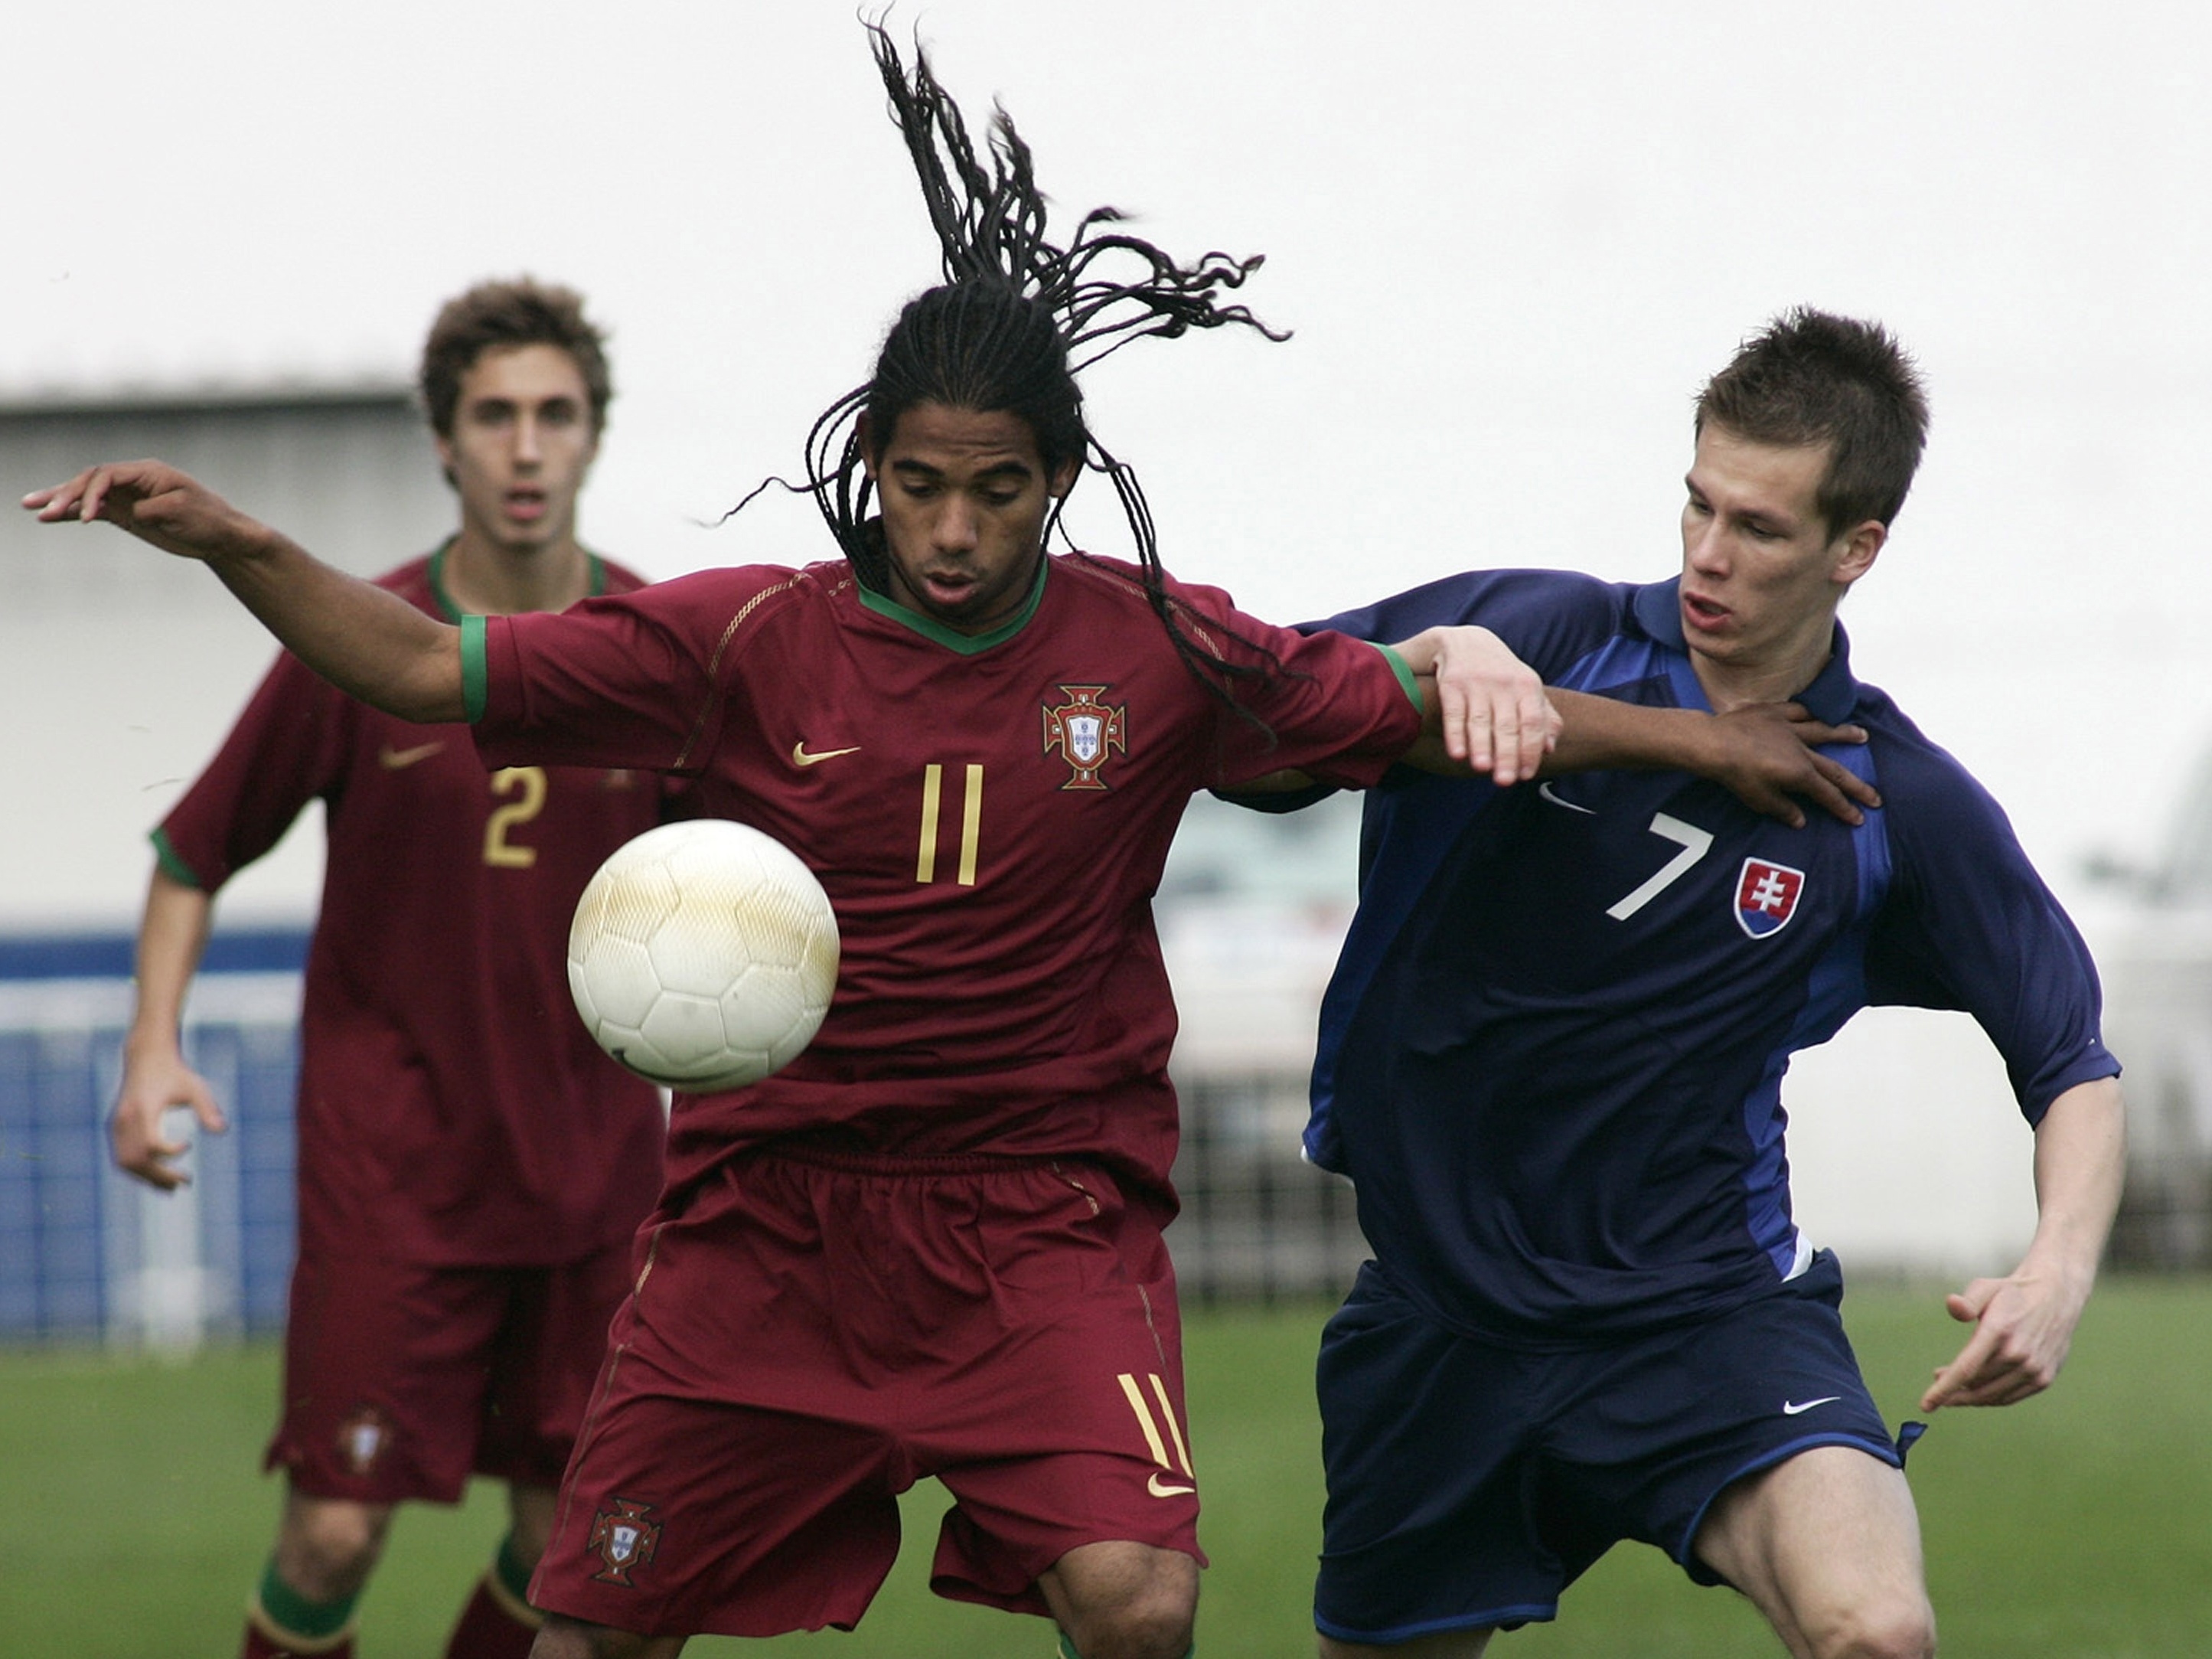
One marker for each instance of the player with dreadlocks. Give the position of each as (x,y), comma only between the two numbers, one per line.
(931,1245)
(1016,320)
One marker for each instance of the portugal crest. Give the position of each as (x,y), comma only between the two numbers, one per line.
(624,1539)
(1086,732)
(362,1438)
(1766,896)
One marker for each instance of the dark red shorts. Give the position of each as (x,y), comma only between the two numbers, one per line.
(809,1338)
(402,1379)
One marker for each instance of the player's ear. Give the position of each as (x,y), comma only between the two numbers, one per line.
(443,446)
(1859,547)
(1063,478)
(865,437)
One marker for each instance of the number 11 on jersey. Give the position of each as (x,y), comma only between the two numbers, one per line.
(971,822)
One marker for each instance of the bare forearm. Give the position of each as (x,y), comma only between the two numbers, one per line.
(1598,734)
(2080,1162)
(173,936)
(155,1080)
(365,640)
(1765,754)
(2024,1322)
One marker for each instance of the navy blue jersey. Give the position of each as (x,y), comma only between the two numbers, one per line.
(1551,1057)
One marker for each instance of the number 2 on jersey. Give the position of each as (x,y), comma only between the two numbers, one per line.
(971,824)
(498,851)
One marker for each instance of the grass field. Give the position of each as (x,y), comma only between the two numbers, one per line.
(2078,1525)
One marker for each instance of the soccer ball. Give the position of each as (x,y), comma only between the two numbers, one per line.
(703,955)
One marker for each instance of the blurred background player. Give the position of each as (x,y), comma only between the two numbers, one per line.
(1551,1060)
(470,1166)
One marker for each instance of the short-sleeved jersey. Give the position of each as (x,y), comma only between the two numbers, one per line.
(989,816)
(1551,1056)
(453,1109)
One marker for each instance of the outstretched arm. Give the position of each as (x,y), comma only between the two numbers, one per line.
(369,642)
(1484,710)
(1490,712)
(1763,755)
(2024,1323)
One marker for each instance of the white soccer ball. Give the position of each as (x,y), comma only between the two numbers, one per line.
(703,955)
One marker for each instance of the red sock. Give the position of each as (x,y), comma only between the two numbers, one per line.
(259,1645)
(494,1625)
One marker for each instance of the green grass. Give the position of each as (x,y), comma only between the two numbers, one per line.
(2075,1525)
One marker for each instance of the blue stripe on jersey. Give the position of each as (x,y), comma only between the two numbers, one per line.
(1836,989)
(1626,661)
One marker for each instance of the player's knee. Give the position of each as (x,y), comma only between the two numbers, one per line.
(328,1549)
(1143,1605)
(1897,1627)
(1151,1630)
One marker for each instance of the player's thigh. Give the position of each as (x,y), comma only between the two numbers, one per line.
(1064,1426)
(385,1370)
(679,1517)
(545,1358)
(1430,1445)
(1828,1546)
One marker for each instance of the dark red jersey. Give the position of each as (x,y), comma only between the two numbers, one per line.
(990,816)
(452,1108)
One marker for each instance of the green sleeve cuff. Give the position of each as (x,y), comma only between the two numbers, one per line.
(474,677)
(1405,680)
(173,866)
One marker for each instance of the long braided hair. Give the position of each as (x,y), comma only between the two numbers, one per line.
(1015,319)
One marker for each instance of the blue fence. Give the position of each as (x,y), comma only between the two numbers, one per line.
(87,1254)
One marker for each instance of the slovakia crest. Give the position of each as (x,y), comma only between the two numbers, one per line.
(624,1538)
(1087,732)
(1767,895)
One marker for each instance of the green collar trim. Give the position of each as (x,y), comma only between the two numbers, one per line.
(452,612)
(595,584)
(967,645)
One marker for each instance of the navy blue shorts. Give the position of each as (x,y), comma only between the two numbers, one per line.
(1469,1483)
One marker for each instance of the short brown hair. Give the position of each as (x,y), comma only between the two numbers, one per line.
(1811,378)
(517,313)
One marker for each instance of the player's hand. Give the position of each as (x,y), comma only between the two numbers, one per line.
(1495,716)
(155,502)
(153,1086)
(2023,1329)
(1768,759)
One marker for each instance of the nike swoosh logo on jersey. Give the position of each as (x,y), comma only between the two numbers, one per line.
(1549,794)
(1159,1488)
(802,756)
(1791,1407)
(398,760)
